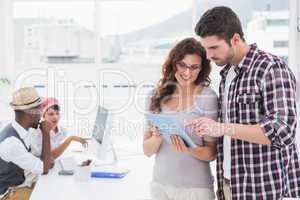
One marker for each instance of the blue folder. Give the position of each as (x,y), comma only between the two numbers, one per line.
(108,171)
(114,175)
(168,126)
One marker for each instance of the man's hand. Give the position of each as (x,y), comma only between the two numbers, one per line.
(52,162)
(206,126)
(178,144)
(46,127)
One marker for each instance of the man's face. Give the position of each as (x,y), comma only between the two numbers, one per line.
(35,114)
(217,50)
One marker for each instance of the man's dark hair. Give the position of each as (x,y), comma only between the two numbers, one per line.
(221,22)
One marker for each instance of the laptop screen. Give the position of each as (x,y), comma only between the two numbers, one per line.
(100,124)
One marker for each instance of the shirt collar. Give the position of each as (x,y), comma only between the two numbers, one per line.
(20,130)
(58,131)
(244,63)
(248,58)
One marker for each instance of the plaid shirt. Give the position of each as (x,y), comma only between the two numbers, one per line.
(263,92)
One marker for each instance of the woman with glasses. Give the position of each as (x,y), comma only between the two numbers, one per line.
(182,173)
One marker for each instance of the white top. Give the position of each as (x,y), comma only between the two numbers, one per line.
(13,150)
(227,139)
(37,139)
(182,169)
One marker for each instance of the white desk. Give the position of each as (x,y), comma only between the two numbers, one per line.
(134,186)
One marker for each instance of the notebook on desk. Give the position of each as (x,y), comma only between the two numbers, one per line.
(109,172)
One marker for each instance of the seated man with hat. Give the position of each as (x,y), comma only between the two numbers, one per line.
(18,166)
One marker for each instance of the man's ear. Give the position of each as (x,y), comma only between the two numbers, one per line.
(236,38)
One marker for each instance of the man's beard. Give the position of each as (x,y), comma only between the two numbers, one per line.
(228,59)
(35,126)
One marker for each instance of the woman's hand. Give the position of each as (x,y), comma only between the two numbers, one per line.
(64,145)
(78,139)
(178,144)
(155,132)
(152,141)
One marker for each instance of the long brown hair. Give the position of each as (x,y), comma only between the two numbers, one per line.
(167,84)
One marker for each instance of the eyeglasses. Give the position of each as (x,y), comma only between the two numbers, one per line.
(183,66)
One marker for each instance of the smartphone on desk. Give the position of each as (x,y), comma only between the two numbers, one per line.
(64,172)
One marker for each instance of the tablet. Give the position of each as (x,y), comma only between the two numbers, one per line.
(169,126)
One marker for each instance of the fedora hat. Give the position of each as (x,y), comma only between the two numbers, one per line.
(25,98)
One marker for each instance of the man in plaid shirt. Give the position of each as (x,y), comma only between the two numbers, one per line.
(257,156)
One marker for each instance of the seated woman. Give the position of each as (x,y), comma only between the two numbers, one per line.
(184,93)
(58,136)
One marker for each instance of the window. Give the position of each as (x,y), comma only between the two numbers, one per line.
(277,22)
(54,32)
(280,44)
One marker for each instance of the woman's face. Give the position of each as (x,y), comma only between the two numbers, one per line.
(187,69)
(52,116)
